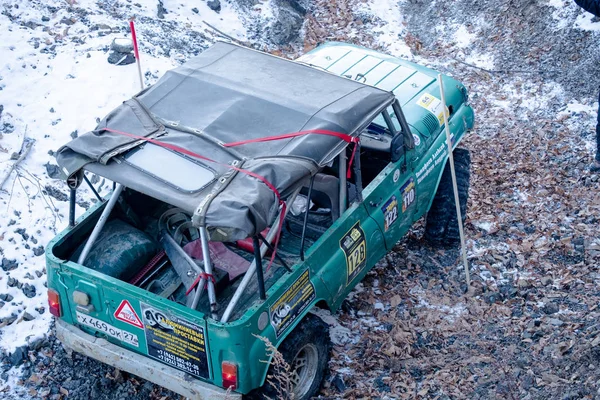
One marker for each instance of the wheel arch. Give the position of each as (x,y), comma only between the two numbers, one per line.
(319,303)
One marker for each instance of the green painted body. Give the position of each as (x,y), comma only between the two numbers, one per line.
(412,182)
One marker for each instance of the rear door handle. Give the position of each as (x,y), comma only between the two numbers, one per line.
(373,204)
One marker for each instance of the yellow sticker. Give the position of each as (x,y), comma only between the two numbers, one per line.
(354,246)
(433,105)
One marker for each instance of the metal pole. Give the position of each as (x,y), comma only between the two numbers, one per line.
(72,199)
(136,52)
(100,224)
(212,298)
(252,269)
(248,276)
(277,256)
(303,238)
(259,269)
(357,174)
(198,293)
(342,174)
(453,173)
(92,188)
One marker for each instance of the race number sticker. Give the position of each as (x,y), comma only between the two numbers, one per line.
(390,212)
(291,304)
(408,194)
(175,341)
(433,105)
(107,329)
(354,246)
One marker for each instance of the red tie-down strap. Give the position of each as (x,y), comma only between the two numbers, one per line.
(206,277)
(187,152)
(345,138)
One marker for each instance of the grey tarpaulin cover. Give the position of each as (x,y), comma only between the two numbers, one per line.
(226,94)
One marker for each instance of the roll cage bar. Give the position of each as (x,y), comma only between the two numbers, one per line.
(196,277)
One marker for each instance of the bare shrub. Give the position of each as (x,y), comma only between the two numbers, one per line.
(279,376)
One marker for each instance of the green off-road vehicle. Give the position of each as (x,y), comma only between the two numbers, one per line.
(249,190)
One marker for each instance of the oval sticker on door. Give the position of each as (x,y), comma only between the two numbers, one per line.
(417,139)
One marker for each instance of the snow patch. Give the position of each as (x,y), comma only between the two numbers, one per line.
(586,22)
(392,31)
(463,37)
(339,334)
(55,82)
(562,13)
(451,313)
(484,225)
(577,108)
(485,61)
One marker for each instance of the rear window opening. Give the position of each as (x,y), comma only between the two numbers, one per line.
(129,248)
(171,168)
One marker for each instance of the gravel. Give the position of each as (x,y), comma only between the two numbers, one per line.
(49,370)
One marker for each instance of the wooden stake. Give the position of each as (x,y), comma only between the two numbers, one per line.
(454,186)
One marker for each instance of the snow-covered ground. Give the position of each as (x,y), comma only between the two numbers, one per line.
(56,82)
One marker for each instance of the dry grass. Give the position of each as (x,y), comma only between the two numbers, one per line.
(279,376)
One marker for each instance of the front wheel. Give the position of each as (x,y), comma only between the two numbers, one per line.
(442,223)
(306,351)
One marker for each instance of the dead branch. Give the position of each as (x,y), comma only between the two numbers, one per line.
(47,199)
(25,147)
(223,34)
(505,71)
(25,191)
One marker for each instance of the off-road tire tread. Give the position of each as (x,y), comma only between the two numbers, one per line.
(312,329)
(442,226)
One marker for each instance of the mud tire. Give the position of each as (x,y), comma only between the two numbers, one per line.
(309,340)
(442,226)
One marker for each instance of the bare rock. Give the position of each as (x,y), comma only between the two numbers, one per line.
(214,5)
(117,58)
(9,265)
(550,308)
(29,290)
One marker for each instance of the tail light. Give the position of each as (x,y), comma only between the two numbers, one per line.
(54,303)
(229,375)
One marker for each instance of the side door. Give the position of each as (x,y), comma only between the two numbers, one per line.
(346,252)
(390,199)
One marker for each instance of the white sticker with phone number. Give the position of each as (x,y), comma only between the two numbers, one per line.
(110,330)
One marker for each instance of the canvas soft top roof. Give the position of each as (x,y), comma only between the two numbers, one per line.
(226,94)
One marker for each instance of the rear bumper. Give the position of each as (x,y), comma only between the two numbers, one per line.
(144,367)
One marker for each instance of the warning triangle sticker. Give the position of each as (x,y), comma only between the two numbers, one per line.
(126,314)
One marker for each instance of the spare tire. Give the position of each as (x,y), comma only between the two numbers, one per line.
(120,251)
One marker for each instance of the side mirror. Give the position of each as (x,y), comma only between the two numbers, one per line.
(397,147)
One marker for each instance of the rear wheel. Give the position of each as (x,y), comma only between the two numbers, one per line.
(306,351)
(442,223)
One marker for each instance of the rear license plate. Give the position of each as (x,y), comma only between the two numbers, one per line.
(108,329)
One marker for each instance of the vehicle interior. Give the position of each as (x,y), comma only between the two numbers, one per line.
(132,246)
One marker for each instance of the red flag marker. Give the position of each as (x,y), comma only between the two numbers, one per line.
(136,52)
